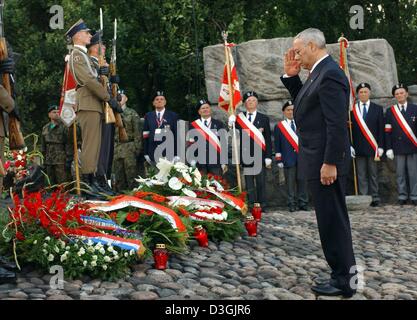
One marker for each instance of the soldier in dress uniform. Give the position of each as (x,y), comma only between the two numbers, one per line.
(105,159)
(401,143)
(255,141)
(7,105)
(56,147)
(90,98)
(286,153)
(368,141)
(157,123)
(126,153)
(207,129)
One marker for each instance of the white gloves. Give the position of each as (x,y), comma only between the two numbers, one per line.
(232,120)
(224,168)
(193,163)
(380,152)
(352,152)
(280,165)
(390,154)
(268,163)
(176,159)
(148,159)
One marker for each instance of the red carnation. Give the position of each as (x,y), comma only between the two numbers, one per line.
(132,217)
(20,236)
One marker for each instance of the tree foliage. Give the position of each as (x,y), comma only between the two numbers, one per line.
(160,41)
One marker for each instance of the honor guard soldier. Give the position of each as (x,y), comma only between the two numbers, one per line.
(105,159)
(286,153)
(91,95)
(206,129)
(127,153)
(401,142)
(368,141)
(7,104)
(157,123)
(255,147)
(56,147)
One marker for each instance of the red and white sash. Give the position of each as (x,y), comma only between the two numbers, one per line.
(251,130)
(289,134)
(404,124)
(209,135)
(364,128)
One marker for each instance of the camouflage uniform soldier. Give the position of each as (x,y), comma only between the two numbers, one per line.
(56,148)
(127,153)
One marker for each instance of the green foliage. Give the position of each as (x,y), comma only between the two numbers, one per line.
(160,41)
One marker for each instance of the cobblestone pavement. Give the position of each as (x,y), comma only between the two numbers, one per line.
(281,263)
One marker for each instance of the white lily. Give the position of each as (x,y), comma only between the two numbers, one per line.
(189,193)
(164,167)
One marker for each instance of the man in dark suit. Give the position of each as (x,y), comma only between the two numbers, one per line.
(255,148)
(206,130)
(401,140)
(286,154)
(321,114)
(368,141)
(158,123)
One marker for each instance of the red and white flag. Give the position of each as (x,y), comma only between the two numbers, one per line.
(68,96)
(224,99)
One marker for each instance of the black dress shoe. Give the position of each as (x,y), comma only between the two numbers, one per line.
(329,290)
(292,209)
(414,202)
(402,202)
(7,276)
(374,203)
(303,208)
(6,264)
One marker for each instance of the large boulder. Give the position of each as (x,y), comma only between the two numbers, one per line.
(259,66)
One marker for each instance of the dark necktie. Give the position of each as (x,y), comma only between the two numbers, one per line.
(250,117)
(205,123)
(364,112)
(403,109)
(292,125)
(159,116)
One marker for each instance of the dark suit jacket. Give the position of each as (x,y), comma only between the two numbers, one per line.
(375,121)
(169,119)
(261,122)
(321,114)
(396,139)
(215,126)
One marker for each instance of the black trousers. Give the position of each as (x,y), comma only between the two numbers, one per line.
(256,189)
(105,159)
(334,229)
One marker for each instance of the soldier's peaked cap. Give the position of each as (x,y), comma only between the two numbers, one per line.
(249,94)
(52,107)
(76,27)
(363,85)
(95,39)
(287,104)
(399,86)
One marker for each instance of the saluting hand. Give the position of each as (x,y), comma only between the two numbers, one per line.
(328,174)
(292,67)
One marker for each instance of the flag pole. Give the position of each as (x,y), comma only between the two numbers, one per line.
(344,43)
(231,110)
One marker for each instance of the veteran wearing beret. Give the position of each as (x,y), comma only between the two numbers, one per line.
(401,142)
(367,141)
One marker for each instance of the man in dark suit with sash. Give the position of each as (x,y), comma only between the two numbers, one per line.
(206,129)
(321,114)
(368,141)
(401,140)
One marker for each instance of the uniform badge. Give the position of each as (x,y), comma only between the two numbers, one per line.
(77,59)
